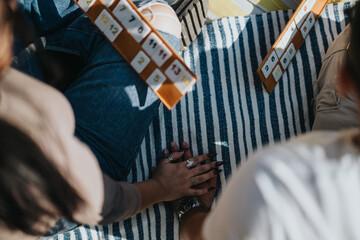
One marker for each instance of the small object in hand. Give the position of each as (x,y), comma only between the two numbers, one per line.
(194,182)
(189,163)
(170,158)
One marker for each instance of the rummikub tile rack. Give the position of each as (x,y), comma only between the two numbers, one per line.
(289,42)
(157,64)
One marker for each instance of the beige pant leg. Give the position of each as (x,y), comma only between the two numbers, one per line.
(333,111)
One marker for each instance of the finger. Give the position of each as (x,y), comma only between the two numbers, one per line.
(174,147)
(206,176)
(177,155)
(165,152)
(205,168)
(197,191)
(202,158)
(185,147)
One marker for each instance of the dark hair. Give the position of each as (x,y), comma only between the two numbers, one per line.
(352,61)
(28,179)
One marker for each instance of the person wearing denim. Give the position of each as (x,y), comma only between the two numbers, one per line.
(112,105)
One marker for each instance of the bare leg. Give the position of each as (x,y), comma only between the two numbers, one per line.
(162,17)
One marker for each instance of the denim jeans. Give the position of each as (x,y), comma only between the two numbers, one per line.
(113,107)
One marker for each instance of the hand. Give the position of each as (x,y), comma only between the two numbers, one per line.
(208,197)
(176,180)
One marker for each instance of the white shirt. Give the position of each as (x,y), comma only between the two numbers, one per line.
(308,188)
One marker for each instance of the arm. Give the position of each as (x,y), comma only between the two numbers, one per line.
(192,224)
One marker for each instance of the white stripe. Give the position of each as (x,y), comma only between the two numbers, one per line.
(152,224)
(122,230)
(212,90)
(225,87)
(101,232)
(240,124)
(135,228)
(202,131)
(277,89)
(110,232)
(83,233)
(341,15)
(93,232)
(61,236)
(190,105)
(243,106)
(287,81)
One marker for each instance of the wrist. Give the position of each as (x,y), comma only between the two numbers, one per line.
(159,188)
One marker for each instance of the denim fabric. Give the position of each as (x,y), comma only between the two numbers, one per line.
(113,107)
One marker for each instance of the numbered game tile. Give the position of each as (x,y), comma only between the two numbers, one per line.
(140,31)
(185,82)
(270,64)
(156,79)
(122,10)
(175,71)
(103,20)
(108,3)
(113,30)
(140,62)
(85,5)
(151,44)
(277,73)
(161,55)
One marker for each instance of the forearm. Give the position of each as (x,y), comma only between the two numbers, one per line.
(151,193)
(192,224)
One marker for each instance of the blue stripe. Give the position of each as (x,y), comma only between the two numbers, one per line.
(257,82)
(237,65)
(207,98)
(140,226)
(221,109)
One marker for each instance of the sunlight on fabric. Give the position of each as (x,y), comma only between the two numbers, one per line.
(223,144)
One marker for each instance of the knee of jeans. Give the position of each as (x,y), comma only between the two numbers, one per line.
(162,17)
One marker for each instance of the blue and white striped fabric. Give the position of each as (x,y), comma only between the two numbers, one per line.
(228,111)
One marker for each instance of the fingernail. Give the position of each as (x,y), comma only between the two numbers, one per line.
(217,171)
(183,144)
(218,164)
(210,155)
(211,188)
(172,144)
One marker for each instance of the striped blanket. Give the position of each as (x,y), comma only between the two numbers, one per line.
(228,111)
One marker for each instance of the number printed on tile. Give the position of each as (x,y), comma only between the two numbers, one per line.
(132,20)
(140,62)
(140,31)
(175,71)
(122,10)
(151,44)
(161,54)
(86,4)
(113,30)
(184,82)
(270,64)
(156,79)
(103,20)
(277,73)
